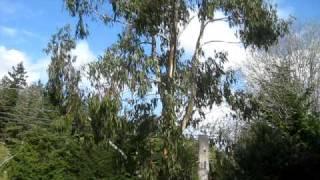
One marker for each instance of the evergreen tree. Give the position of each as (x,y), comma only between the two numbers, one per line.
(281,140)
(17,78)
(9,91)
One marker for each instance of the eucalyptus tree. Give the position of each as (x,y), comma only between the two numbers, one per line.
(63,78)
(148,62)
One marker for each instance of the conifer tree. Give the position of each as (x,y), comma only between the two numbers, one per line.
(10,86)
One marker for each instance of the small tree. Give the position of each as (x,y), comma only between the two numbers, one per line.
(16,78)
(9,91)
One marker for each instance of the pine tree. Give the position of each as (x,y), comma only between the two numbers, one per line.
(9,90)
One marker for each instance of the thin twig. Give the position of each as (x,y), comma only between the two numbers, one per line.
(6,160)
(117,149)
(217,19)
(220,41)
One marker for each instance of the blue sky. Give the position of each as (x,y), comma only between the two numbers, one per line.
(34,21)
(303,10)
(26,27)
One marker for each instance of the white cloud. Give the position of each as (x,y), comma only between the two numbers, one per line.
(285,12)
(8,31)
(37,69)
(9,58)
(217,114)
(215,31)
(30,34)
(84,56)
(18,33)
(83,53)
(221,31)
(237,55)
(218,118)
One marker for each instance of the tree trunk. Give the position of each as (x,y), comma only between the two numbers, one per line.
(195,62)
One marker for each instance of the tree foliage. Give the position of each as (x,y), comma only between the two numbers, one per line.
(147,56)
(9,92)
(281,139)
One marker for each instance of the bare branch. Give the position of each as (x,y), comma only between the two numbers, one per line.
(163,37)
(215,20)
(6,160)
(220,41)
(115,147)
(144,42)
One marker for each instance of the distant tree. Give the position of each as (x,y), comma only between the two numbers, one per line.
(298,50)
(281,140)
(10,86)
(16,78)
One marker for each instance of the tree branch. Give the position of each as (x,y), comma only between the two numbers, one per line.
(6,160)
(195,61)
(115,147)
(220,41)
(215,20)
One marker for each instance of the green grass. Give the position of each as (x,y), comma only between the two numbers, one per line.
(4,153)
